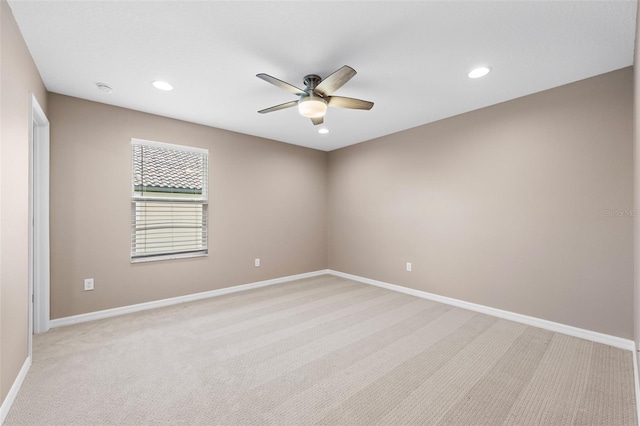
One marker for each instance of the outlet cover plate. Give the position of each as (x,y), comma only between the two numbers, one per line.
(88,284)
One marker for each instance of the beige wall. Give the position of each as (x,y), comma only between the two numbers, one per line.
(18,77)
(266,200)
(515,206)
(507,206)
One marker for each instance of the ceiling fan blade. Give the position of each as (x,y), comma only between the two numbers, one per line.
(281,84)
(335,81)
(279,107)
(342,102)
(317,121)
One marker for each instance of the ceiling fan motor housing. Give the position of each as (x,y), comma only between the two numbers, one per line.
(311,81)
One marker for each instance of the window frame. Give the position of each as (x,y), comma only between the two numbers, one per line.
(203,201)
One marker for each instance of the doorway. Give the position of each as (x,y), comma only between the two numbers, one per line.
(38,220)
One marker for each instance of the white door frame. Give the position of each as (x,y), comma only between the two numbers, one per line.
(38,220)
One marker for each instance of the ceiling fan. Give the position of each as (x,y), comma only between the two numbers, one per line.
(315,98)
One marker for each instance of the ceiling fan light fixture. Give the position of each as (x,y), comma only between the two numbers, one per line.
(312,106)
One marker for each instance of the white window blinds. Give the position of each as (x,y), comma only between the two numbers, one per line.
(169,200)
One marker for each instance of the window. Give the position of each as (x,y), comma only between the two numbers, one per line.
(168,201)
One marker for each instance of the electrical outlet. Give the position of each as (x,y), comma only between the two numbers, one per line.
(408,266)
(257,262)
(88,284)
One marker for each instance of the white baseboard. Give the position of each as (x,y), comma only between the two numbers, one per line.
(593,336)
(13,392)
(91,316)
(636,381)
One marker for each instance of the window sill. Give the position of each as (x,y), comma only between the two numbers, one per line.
(169,257)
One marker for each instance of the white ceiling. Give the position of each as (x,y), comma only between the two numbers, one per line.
(412,58)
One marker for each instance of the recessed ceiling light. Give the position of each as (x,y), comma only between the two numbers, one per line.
(162,85)
(323,131)
(104,88)
(479,72)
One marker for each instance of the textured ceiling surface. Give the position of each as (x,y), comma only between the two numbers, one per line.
(412,58)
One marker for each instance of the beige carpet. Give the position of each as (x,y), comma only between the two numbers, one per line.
(322,350)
